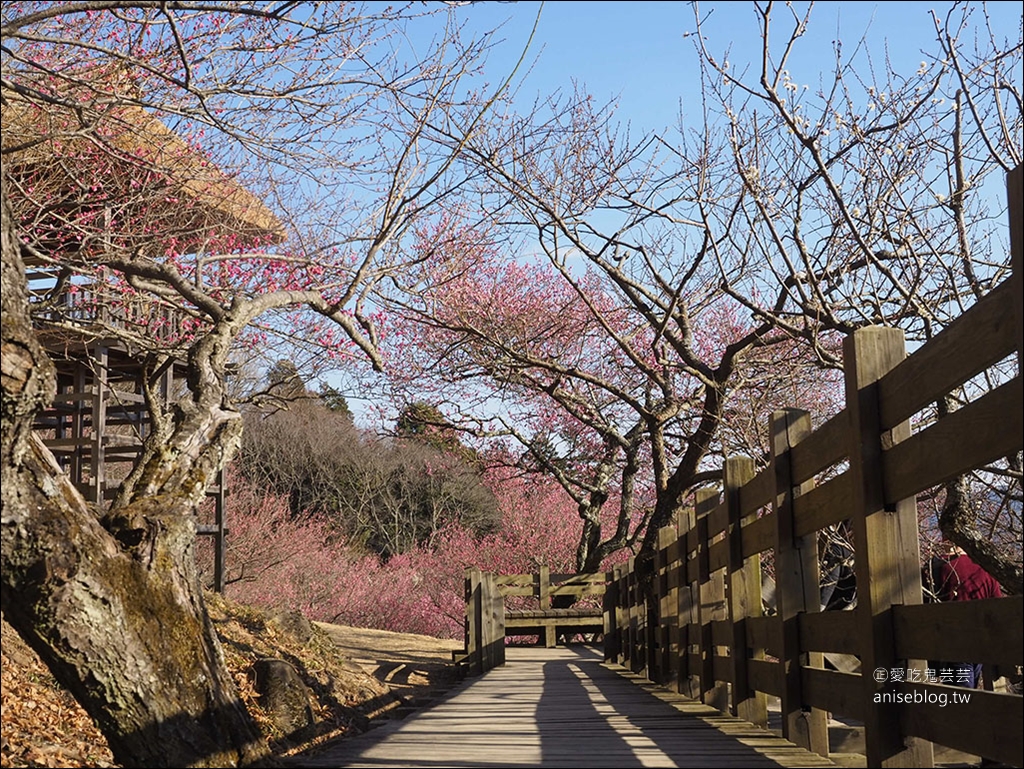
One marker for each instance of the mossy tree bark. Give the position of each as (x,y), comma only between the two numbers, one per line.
(114,606)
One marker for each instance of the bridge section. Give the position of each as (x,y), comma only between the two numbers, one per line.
(565,707)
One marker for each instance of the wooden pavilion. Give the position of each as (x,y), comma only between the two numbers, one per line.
(152,183)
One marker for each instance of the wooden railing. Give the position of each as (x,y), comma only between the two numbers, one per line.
(703,631)
(485,624)
(99,310)
(504,605)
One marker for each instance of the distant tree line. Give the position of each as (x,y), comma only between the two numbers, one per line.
(385,495)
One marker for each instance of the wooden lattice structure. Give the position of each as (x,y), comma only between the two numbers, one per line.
(98,421)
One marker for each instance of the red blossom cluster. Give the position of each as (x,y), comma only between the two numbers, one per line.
(277,559)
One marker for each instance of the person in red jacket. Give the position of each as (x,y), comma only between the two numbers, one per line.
(958,578)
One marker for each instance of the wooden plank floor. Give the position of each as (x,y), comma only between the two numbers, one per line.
(563,707)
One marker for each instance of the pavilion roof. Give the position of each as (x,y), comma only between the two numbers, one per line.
(126,148)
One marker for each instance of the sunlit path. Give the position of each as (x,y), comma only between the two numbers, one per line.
(563,707)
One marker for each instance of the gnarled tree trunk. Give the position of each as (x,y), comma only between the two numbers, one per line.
(115,608)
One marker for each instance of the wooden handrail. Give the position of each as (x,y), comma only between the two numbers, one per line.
(708,583)
(488,620)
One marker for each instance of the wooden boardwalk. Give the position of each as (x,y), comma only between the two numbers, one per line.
(563,707)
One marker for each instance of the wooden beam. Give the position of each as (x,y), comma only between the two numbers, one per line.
(764,632)
(996,632)
(765,676)
(757,492)
(759,535)
(991,730)
(829,631)
(978,339)
(982,431)
(822,506)
(838,693)
(821,449)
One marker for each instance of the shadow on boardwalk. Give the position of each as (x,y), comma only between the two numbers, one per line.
(562,708)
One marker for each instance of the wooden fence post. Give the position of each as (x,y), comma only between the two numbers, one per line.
(474,647)
(626,603)
(657,643)
(689,611)
(638,604)
(100,355)
(622,614)
(668,544)
(1015,201)
(492,622)
(626,610)
(711,588)
(610,604)
(544,587)
(630,626)
(887,553)
(544,602)
(796,586)
(485,622)
(744,591)
(654,613)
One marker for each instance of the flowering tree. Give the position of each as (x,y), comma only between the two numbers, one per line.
(387,495)
(136,138)
(679,277)
(586,386)
(278,559)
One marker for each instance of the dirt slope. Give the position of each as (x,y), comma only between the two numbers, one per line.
(355,675)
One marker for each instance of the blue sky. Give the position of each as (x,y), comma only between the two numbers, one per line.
(636,51)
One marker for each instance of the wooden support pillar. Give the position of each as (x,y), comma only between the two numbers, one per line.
(62,420)
(629,609)
(220,549)
(655,663)
(886,545)
(652,612)
(485,622)
(638,622)
(744,591)
(76,465)
(656,629)
(492,623)
(624,612)
(544,587)
(100,356)
(618,616)
(796,587)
